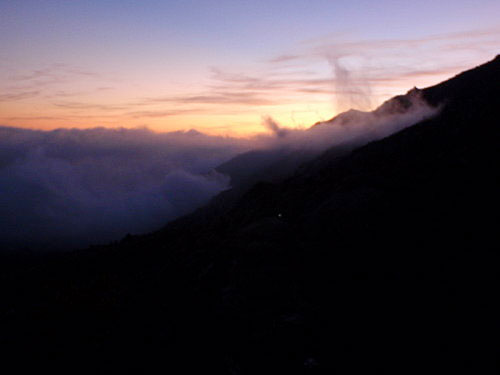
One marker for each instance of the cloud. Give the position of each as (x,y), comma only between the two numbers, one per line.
(48,81)
(272,125)
(284,58)
(18,96)
(37,75)
(28,118)
(373,66)
(71,187)
(89,106)
(353,128)
(241,97)
(344,45)
(352,93)
(162,113)
(77,187)
(55,73)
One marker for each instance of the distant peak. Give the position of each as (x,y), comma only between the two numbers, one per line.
(413,91)
(193,132)
(353,111)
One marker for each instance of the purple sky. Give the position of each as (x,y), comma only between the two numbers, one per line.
(220,66)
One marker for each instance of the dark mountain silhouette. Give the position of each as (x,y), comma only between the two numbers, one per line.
(382,259)
(277,163)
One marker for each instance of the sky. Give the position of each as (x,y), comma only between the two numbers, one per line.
(222,66)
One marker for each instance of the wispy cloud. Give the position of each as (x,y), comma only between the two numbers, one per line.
(344,45)
(48,75)
(166,113)
(323,70)
(234,97)
(54,73)
(89,106)
(53,81)
(284,58)
(358,66)
(31,118)
(14,96)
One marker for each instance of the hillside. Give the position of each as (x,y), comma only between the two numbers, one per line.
(378,260)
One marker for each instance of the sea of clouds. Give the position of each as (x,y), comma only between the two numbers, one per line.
(70,188)
(77,187)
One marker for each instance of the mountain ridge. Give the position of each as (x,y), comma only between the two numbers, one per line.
(381,259)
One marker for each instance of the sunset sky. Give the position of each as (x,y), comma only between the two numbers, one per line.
(221,66)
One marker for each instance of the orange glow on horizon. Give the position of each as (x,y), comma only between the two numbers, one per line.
(241,121)
(239,115)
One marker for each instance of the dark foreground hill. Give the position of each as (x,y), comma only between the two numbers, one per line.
(380,261)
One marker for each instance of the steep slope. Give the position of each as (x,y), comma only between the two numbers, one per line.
(380,261)
(342,134)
